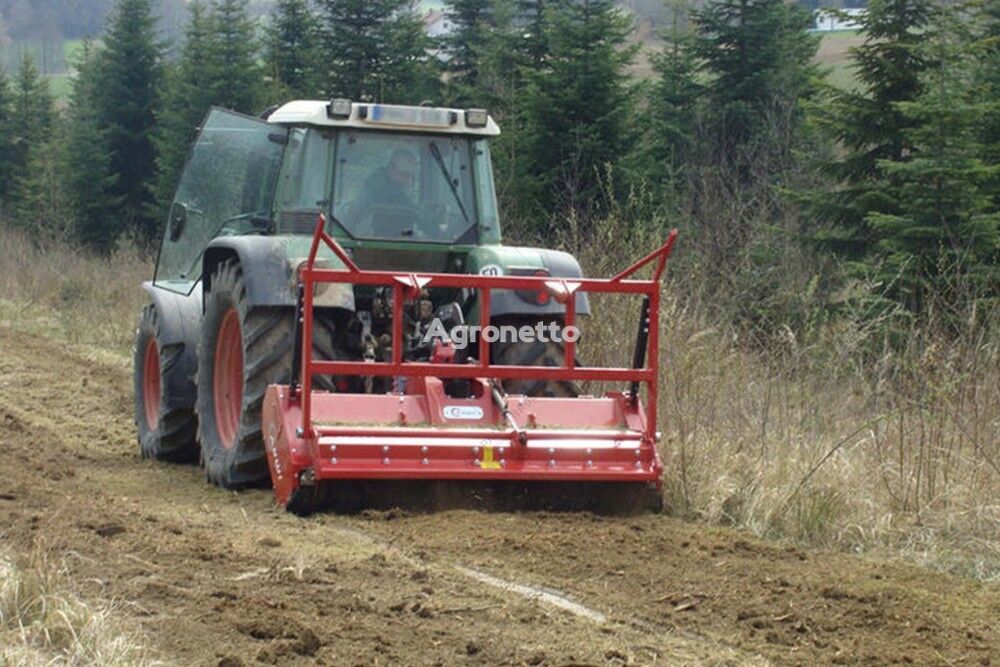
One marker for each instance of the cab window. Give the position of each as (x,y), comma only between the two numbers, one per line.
(226,188)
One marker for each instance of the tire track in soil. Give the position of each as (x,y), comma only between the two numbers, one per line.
(216,576)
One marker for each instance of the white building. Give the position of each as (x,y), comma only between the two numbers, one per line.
(825,20)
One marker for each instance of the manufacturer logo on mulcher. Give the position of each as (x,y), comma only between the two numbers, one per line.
(463,412)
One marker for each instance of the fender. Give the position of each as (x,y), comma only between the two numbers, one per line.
(267,263)
(180,325)
(507,260)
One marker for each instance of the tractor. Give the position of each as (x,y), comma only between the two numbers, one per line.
(319,266)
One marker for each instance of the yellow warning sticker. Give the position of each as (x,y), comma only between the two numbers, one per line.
(488,462)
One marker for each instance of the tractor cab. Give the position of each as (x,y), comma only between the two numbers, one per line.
(405,187)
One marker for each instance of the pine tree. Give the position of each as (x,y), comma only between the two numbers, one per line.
(471,22)
(217,66)
(410,75)
(7,167)
(534,45)
(989,76)
(129,82)
(500,87)
(943,236)
(32,119)
(580,107)
(236,75)
(374,49)
(756,57)
(41,207)
(87,162)
(870,126)
(292,42)
(188,95)
(673,105)
(32,113)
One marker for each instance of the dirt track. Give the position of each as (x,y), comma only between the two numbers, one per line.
(223,578)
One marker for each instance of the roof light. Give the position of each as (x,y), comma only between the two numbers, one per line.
(476,117)
(339,108)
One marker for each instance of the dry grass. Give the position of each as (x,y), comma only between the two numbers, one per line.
(814,440)
(63,292)
(830,438)
(43,621)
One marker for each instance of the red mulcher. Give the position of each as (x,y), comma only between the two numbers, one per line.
(317,440)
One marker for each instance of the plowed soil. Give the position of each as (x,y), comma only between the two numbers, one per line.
(218,578)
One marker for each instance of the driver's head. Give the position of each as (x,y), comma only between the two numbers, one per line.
(403,167)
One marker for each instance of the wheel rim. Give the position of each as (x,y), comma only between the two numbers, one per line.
(228,378)
(151,384)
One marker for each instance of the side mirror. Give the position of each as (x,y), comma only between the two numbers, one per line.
(178,220)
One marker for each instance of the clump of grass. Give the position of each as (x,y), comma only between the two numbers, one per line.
(43,621)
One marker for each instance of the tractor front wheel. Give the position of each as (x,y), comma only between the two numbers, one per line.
(242,350)
(535,353)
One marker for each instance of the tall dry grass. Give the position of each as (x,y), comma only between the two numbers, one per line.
(44,621)
(838,435)
(63,291)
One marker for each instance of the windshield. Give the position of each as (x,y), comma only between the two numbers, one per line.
(390,185)
(396,186)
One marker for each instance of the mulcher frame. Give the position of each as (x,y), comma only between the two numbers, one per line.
(494,437)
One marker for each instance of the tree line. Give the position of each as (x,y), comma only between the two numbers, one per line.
(893,184)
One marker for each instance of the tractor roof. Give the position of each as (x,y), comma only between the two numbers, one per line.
(370,116)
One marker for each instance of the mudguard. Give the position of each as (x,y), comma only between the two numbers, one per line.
(268,263)
(180,325)
(506,260)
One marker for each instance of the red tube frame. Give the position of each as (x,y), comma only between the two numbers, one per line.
(408,285)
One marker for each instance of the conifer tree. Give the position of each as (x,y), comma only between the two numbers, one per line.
(32,112)
(87,162)
(471,22)
(870,125)
(128,97)
(32,119)
(673,105)
(236,75)
(579,108)
(756,57)
(217,66)
(41,207)
(188,96)
(6,140)
(534,44)
(943,235)
(374,49)
(292,42)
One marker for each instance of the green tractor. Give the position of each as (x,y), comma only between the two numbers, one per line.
(403,189)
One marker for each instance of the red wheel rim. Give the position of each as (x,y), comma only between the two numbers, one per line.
(227,378)
(151,383)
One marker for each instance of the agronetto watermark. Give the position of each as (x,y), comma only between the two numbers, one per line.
(542,332)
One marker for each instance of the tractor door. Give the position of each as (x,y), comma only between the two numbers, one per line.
(226,188)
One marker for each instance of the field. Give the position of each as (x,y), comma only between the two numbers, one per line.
(776,473)
(834,53)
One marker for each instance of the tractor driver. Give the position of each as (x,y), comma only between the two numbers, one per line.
(388,195)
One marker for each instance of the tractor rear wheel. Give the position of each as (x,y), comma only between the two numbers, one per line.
(537,353)
(242,350)
(166,423)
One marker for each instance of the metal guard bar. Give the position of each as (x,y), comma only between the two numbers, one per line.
(409,285)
